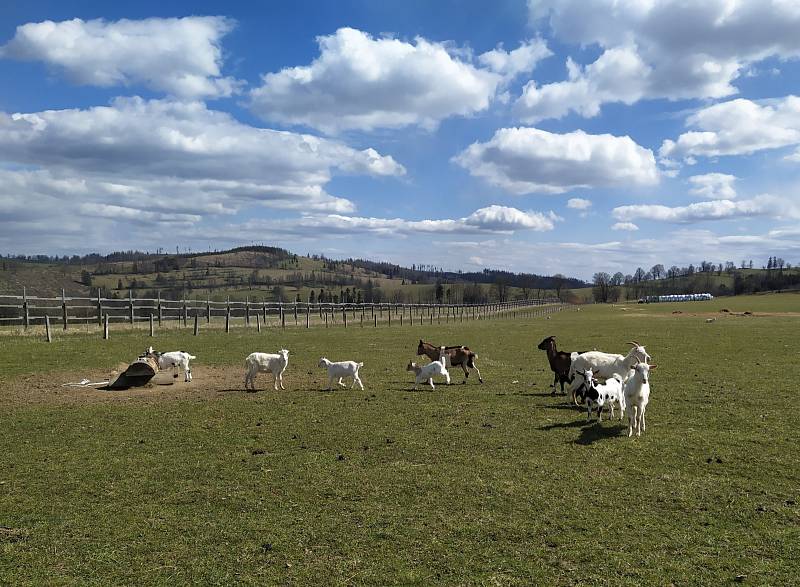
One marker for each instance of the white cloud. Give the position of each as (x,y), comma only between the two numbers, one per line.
(526,160)
(492,219)
(579,204)
(180,56)
(629,226)
(738,127)
(619,75)
(672,49)
(180,147)
(359,82)
(521,60)
(163,161)
(714,186)
(764,205)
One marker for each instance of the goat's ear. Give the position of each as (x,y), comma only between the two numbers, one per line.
(653,366)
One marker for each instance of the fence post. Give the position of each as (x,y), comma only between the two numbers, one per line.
(105,328)
(208,309)
(64,315)
(26,316)
(47,328)
(308,315)
(258,323)
(99,309)
(326,319)
(344,317)
(160,310)
(185,312)
(390,315)
(247,311)
(151,324)
(130,306)
(283,317)
(227,314)
(375,319)
(196,325)
(264,311)
(295,313)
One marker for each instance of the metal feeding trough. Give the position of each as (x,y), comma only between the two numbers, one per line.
(138,373)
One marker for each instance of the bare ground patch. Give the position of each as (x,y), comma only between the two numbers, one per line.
(208,383)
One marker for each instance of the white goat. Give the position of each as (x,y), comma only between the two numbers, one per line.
(637,395)
(172,360)
(256,363)
(342,369)
(605,365)
(427,372)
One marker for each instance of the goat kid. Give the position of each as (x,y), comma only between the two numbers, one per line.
(256,363)
(605,394)
(427,372)
(342,369)
(174,360)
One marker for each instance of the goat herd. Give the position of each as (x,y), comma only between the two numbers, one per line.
(625,377)
(626,380)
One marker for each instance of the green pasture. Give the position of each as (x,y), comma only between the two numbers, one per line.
(494,484)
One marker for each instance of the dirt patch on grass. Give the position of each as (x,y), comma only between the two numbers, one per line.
(208,383)
(717,315)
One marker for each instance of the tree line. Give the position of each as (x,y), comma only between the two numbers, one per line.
(776,274)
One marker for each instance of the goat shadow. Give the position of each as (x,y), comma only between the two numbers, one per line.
(595,431)
(574,424)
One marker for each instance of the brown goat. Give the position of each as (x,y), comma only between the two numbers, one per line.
(560,362)
(457,356)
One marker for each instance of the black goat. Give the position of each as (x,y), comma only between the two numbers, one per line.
(559,362)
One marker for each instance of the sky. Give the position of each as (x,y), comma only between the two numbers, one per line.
(553,136)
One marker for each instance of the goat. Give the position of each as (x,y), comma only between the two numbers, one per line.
(605,365)
(605,394)
(560,362)
(342,369)
(637,396)
(456,356)
(256,363)
(174,360)
(426,372)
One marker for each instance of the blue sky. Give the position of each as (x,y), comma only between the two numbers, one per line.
(568,136)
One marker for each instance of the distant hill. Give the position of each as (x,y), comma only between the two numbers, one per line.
(268,273)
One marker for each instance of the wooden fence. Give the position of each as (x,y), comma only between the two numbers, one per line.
(27,311)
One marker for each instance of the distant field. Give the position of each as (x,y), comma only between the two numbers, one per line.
(494,484)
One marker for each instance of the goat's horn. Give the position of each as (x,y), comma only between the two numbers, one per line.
(634,343)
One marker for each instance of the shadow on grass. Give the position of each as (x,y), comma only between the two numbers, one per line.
(567,406)
(575,424)
(596,431)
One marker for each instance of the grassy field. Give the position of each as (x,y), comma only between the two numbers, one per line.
(499,484)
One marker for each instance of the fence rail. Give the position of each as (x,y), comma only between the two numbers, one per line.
(26,311)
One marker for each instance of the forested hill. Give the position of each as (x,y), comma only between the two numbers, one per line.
(266,272)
